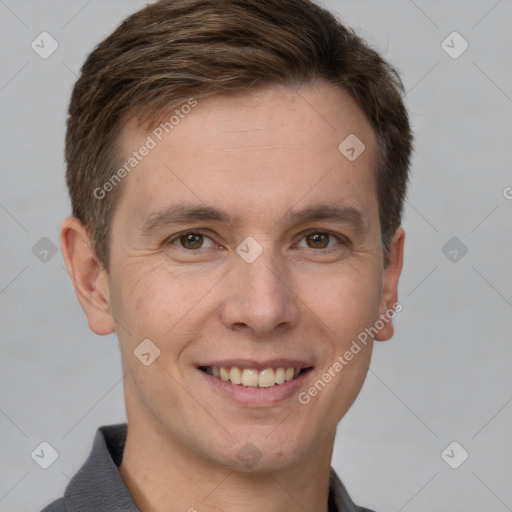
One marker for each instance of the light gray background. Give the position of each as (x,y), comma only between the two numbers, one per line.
(446,375)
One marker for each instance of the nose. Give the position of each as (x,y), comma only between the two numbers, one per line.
(259,298)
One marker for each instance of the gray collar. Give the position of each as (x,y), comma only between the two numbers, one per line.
(98,486)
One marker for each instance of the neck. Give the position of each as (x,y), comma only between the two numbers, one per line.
(164,476)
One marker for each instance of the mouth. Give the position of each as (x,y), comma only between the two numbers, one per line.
(254,378)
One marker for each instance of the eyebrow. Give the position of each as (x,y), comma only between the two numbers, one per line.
(182,213)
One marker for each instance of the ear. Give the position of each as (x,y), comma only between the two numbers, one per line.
(389,296)
(89,278)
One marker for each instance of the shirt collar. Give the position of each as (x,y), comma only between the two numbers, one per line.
(99,487)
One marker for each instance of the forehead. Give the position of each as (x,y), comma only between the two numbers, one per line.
(253,153)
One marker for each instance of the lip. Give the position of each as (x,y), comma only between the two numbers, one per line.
(255,396)
(258,365)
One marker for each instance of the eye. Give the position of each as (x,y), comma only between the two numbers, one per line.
(320,240)
(195,240)
(192,240)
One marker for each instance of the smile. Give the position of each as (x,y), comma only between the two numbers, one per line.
(251,377)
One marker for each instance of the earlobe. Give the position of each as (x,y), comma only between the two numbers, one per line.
(389,298)
(89,279)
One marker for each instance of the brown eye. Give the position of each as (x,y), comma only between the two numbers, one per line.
(191,240)
(321,240)
(317,240)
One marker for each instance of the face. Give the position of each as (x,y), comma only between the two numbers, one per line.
(246,246)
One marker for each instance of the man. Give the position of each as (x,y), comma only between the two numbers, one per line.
(237,171)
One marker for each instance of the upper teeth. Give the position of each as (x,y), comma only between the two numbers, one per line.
(251,377)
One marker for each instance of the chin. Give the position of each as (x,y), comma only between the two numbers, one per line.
(261,454)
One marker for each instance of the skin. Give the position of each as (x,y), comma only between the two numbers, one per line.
(257,155)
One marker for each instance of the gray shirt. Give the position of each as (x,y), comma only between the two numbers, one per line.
(99,487)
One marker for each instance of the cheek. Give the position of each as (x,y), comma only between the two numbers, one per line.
(347,301)
(137,298)
(153,302)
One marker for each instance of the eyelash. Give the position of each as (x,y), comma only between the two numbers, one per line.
(342,240)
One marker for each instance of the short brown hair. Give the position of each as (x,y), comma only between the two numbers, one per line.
(172,50)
